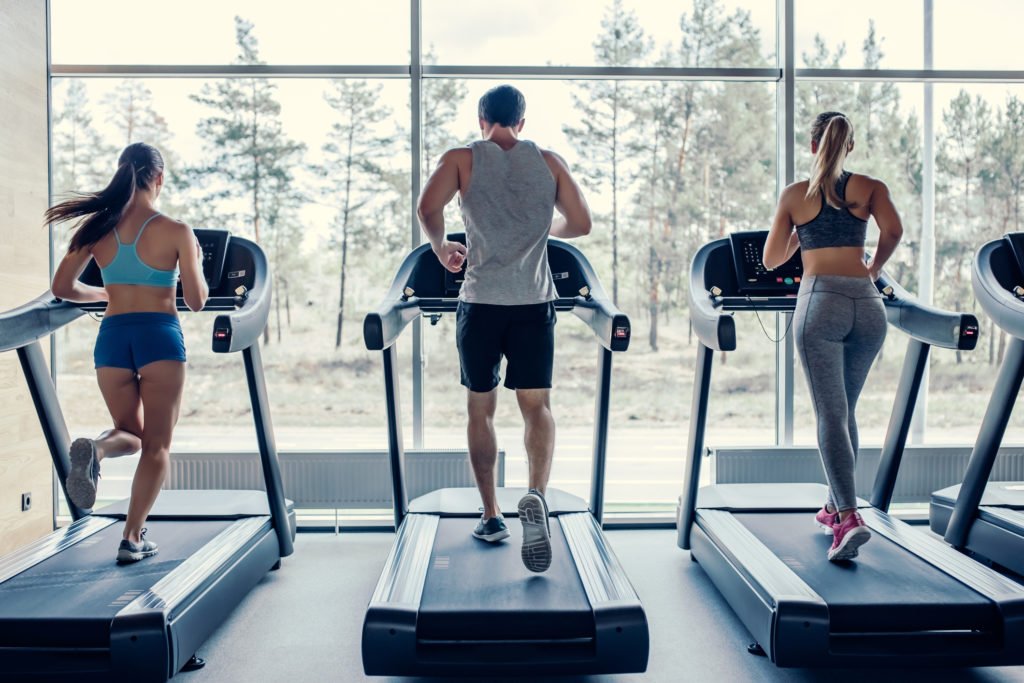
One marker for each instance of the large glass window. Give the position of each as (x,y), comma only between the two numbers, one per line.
(723,33)
(669,157)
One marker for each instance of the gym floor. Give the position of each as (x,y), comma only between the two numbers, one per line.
(304,622)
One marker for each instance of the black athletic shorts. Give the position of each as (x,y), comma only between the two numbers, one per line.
(525,335)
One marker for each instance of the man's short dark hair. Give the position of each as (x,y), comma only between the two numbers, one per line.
(503,105)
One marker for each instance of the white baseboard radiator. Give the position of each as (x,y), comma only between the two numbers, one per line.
(924,468)
(328,479)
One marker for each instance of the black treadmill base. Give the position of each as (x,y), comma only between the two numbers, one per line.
(811,643)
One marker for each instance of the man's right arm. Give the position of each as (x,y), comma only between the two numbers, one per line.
(438,191)
(575,218)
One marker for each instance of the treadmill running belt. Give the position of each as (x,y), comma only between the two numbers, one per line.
(476,589)
(70,598)
(885,589)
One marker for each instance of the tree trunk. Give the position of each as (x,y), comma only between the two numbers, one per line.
(344,233)
(287,304)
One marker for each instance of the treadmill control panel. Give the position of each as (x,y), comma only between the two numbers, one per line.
(752,278)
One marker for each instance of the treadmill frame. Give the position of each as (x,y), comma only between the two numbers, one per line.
(786,617)
(995,533)
(390,643)
(155,634)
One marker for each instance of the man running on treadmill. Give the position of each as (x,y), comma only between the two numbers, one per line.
(508,189)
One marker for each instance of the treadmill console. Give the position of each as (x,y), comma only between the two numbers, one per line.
(752,278)
(453,281)
(565,272)
(1015,240)
(215,248)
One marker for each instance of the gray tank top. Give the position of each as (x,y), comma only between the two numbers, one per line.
(507,211)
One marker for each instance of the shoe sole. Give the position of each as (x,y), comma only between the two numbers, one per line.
(850,544)
(825,528)
(80,487)
(127,557)
(492,538)
(536,550)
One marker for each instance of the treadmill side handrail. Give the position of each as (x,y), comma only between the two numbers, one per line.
(38,318)
(926,323)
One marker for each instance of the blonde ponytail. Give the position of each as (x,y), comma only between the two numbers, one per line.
(834,134)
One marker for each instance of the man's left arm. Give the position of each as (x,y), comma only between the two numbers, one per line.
(574,220)
(438,191)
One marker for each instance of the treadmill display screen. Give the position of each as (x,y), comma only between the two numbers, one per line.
(1016,242)
(215,248)
(752,277)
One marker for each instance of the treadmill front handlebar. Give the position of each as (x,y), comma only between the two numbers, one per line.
(400,306)
(715,328)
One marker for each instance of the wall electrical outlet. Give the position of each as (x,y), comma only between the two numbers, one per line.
(26,502)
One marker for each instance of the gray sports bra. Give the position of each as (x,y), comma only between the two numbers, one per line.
(833,227)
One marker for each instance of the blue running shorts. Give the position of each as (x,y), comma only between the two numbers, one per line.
(134,340)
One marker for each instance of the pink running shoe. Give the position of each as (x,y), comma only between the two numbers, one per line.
(826,520)
(850,534)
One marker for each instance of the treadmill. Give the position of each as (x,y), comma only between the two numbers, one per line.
(909,599)
(981,516)
(447,604)
(66,609)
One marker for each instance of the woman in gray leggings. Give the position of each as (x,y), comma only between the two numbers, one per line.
(839,323)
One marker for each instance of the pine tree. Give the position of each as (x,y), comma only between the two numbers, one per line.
(441,105)
(251,155)
(130,110)
(81,158)
(249,146)
(600,137)
(685,111)
(352,162)
(80,155)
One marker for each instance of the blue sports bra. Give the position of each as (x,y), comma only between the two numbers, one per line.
(833,227)
(128,269)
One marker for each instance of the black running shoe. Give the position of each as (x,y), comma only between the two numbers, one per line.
(84,475)
(129,552)
(533,515)
(491,530)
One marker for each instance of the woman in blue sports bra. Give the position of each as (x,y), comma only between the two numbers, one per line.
(839,323)
(140,351)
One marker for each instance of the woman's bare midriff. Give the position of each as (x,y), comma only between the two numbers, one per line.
(140,299)
(848,261)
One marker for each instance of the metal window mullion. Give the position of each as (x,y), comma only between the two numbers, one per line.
(231,70)
(911,75)
(604,73)
(416,161)
(926,267)
(54,484)
(786,173)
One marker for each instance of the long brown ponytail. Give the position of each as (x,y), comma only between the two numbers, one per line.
(833,133)
(137,168)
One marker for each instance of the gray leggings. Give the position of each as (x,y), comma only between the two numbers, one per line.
(839,325)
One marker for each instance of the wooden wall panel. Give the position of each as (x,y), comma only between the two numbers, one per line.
(25,464)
